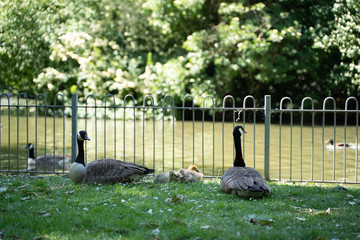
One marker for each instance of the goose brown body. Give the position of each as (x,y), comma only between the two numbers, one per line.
(243,181)
(113,171)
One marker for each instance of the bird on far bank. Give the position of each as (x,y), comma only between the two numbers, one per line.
(339,145)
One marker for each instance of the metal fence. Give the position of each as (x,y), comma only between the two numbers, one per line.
(283,143)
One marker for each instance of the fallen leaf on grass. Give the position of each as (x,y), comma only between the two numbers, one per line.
(205,227)
(44,213)
(174,200)
(25,198)
(315,212)
(338,189)
(23,186)
(179,221)
(39,238)
(262,222)
(149,225)
(156,232)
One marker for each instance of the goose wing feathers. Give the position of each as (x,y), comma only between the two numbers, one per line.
(243,179)
(113,171)
(51,161)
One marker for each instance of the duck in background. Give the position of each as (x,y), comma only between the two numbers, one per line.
(46,162)
(338,145)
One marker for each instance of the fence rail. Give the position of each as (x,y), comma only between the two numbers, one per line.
(283,143)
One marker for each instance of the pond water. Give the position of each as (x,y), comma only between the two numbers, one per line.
(171,145)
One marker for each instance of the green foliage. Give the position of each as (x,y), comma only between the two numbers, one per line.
(201,47)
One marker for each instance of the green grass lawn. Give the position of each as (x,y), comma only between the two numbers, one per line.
(54,208)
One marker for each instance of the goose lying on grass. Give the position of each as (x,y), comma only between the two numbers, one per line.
(241,180)
(46,162)
(103,170)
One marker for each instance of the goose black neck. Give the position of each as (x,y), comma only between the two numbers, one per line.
(239,161)
(31,153)
(80,156)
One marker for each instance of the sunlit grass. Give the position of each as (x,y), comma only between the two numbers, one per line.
(54,208)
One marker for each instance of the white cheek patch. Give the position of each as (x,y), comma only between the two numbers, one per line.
(241,131)
(79,137)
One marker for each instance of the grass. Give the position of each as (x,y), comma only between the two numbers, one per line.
(52,207)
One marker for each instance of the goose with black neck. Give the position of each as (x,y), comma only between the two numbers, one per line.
(243,181)
(46,162)
(107,171)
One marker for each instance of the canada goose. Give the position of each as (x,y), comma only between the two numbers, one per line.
(103,170)
(165,177)
(241,180)
(47,162)
(192,174)
(340,145)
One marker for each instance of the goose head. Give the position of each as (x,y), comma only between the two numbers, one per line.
(29,146)
(31,158)
(193,168)
(82,136)
(238,130)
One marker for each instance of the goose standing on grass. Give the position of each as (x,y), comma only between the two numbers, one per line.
(46,162)
(192,174)
(338,145)
(103,170)
(241,180)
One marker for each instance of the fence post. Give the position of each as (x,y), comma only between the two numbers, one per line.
(74,126)
(267,109)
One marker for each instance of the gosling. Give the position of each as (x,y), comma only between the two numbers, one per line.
(190,175)
(165,177)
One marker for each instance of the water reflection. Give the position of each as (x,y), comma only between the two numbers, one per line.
(164,145)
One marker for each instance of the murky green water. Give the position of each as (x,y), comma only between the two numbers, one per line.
(161,145)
